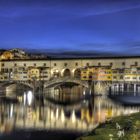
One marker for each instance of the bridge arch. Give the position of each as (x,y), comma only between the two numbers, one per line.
(66,72)
(61,80)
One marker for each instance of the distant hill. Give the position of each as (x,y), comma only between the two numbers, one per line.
(69,54)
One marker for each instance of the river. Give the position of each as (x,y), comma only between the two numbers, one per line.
(28,117)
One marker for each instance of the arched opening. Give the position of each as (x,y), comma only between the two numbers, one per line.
(77,73)
(66,73)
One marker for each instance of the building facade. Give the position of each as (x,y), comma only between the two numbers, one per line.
(103,68)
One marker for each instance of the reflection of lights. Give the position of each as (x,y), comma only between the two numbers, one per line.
(29,97)
(73,117)
(62,115)
(52,114)
(90,92)
(11,111)
(84,92)
(57,113)
(24,98)
(56,71)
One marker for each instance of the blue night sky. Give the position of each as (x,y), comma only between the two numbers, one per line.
(111,26)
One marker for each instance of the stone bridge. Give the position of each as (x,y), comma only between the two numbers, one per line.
(100,87)
(59,81)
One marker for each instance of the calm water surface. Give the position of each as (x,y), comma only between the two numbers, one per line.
(29,117)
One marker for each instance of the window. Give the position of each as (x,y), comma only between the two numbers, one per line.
(15,64)
(10,70)
(24,65)
(87,64)
(121,71)
(123,63)
(136,63)
(44,64)
(111,64)
(90,77)
(5,70)
(76,64)
(5,77)
(34,64)
(121,77)
(114,72)
(65,64)
(99,64)
(54,64)
(2,70)
(2,64)
(45,72)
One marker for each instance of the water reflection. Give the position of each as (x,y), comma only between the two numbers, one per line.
(80,117)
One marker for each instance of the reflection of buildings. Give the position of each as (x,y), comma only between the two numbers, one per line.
(15,65)
(57,117)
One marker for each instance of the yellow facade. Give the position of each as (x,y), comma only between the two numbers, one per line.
(96,74)
(86,74)
(131,74)
(7,55)
(104,74)
(33,73)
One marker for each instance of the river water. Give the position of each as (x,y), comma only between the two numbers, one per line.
(28,117)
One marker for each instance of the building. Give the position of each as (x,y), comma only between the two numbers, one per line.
(6,55)
(97,68)
(97,73)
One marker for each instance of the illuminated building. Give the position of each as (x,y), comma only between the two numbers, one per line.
(16,64)
(100,73)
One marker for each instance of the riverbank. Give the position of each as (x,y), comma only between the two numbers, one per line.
(119,128)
